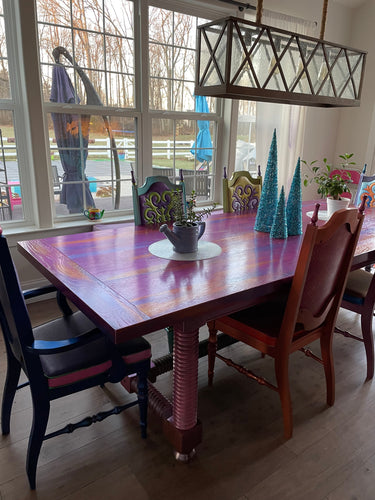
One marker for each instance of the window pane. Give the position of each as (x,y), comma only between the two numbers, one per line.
(175,146)
(4,72)
(246,137)
(10,188)
(102,44)
(93,165)
(172,40)
(119,19)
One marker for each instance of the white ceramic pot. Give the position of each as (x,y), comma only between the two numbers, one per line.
(334,205)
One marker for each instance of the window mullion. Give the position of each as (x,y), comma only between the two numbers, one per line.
(37,197)
(145,139)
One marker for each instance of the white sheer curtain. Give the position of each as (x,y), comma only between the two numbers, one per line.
(288,120)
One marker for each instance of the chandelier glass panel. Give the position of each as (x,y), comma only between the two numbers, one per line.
(241,59)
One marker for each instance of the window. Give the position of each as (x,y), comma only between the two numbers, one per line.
(10,187)
(246,137)
(94,89)
(181,142)
(172,59)
(87,60)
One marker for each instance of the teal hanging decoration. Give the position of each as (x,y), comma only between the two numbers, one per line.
(294,204)
(268,198)
(279,227)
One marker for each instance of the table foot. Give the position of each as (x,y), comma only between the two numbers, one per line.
(183,441)
(184,457)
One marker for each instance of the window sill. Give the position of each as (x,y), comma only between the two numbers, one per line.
(15,234)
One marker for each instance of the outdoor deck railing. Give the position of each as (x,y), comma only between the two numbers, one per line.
(125,147)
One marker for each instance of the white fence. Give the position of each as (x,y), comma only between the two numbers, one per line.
(125,148)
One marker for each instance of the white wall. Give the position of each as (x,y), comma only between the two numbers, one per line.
(356,130)
(330,132)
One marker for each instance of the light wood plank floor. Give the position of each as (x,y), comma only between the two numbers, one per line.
(243,455)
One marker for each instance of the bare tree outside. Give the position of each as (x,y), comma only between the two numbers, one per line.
(100,37)
(172,59)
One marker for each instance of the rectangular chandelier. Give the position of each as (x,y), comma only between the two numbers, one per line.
(240,59)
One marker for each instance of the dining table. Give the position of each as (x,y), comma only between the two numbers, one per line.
(115,278)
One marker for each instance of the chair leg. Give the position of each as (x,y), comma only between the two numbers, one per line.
(211,350)
(368,340)
(143,401)
(41,407)
(169,330)
(329,369)
(10,388)
(282,377)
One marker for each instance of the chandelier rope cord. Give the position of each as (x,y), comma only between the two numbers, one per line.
(259,13)
(324,19)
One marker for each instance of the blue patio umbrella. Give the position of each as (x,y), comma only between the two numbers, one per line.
(202,147)
(72,136)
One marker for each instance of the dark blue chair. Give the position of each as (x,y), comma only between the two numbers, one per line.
(61,357)
(359,297)
(359,294)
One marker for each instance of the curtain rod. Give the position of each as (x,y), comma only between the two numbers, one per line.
(241,6)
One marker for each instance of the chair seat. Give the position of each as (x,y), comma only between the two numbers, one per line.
(357,286)
(265,319)
(262,321)
(88,360)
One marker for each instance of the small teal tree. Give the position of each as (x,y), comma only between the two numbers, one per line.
(294,204)
(279,227)
(268,198)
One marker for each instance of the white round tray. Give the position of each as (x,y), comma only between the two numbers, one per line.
(322,214)
(164,249)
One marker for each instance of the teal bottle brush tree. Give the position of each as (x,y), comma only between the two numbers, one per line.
(279,227)
(294,205)
(268,198)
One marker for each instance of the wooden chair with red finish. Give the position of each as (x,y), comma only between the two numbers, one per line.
(305,312)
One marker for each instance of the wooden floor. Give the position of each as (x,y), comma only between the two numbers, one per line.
(243,455)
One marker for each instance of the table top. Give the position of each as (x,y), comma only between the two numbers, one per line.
(119,284)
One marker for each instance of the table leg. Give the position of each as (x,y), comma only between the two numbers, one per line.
(182,428)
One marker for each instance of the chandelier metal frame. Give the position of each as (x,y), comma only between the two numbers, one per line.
(240,59)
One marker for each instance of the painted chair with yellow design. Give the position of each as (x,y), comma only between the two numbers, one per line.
(241,193)
(152,200)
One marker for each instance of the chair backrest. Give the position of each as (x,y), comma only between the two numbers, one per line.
(241,192)
(197,181)
(366,188)
(352,176)
(56,180)
(348,175)
(322,268)
(152,201)
(14,317)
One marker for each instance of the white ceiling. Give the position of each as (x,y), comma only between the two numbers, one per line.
(350,3)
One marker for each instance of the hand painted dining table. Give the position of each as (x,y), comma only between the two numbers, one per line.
(129,292)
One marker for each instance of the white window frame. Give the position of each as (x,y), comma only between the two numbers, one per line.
(29,109)
(197,9)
